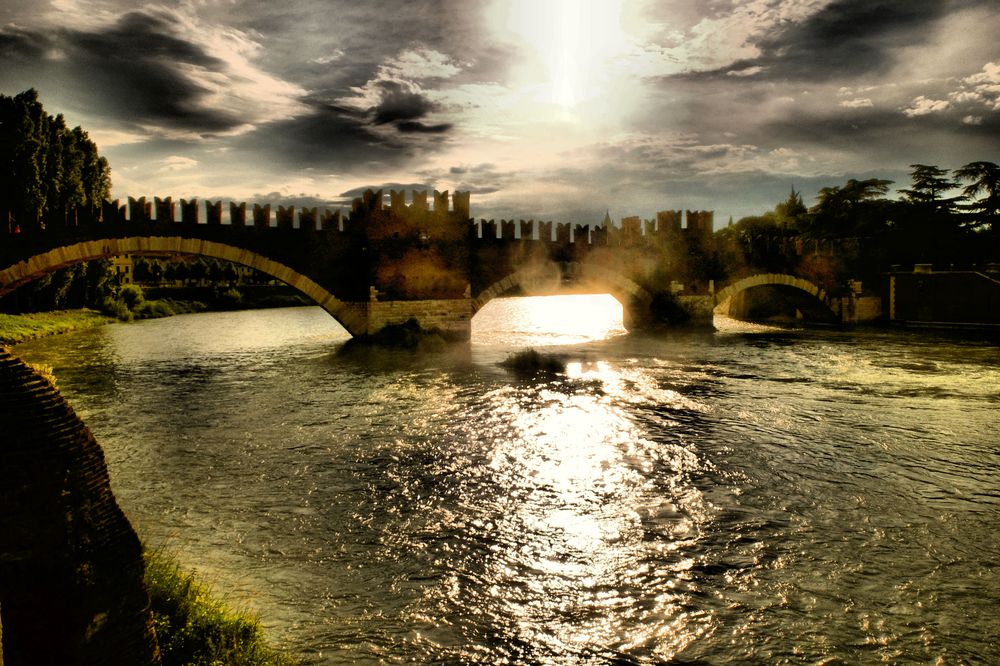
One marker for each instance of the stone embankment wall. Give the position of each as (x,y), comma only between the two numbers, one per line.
(71,569)
(948,298)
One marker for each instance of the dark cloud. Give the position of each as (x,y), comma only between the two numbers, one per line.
(484,168)
(134,70)
(298,200)
(20,45)
(849,38)
(889,137)
(143,37)
(479,179)
(412,126)
(843,40)
(326,137)
(131,71)
(397,103)
(386,187)
(368,33)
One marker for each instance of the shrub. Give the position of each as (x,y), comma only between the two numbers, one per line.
(530,362)
(131,295)
(230,299)
(154,310)
(114,307)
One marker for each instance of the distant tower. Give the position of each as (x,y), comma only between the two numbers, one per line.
(607,220)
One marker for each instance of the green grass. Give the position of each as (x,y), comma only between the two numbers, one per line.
(22,327)
(194,627)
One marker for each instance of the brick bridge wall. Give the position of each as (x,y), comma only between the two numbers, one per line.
(71,569)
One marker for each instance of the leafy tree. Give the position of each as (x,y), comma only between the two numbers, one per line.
(95,172)
(929,184)
(23,163)
(181,271)
(791,211)
(156,271)
(984,179)
(47,171)
(141,269)
(215,271)
(859,208)
(199,270)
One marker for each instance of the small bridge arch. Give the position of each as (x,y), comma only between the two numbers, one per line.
(780,280)
(550,279)
(22,272)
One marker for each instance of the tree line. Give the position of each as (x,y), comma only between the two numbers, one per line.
(49,171)
(947,218)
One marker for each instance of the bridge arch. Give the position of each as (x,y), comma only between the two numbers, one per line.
(546,280)
(777,279)
(22,272)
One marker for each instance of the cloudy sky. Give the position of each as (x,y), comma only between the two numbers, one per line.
(554,109)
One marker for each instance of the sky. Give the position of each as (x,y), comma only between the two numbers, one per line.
(546,109)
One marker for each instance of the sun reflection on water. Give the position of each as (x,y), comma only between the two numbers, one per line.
(577,569)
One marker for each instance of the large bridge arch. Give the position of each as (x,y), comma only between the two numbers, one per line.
(778,279)
(22,272)
(547,280)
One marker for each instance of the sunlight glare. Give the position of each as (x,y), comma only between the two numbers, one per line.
(548,320)
(573,46)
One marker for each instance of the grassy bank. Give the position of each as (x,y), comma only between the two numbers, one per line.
(23,327)
(194,627)
(131,303)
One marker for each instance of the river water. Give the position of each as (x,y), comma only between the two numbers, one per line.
(748,495)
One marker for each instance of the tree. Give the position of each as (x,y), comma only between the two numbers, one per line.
(95,172)
(859,208)
(23,164)
(791,211)
(929,183)
(198,270)
(47,171)
(930,226)
(984,179)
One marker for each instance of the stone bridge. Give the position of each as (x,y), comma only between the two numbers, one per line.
(386,262)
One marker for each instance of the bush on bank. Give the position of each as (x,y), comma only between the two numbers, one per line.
(130,303)
(193,627)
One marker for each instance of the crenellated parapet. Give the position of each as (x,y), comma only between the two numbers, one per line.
(307,218)
(139,210)
(285,217)
(699,223)
(447,218)
(189,211)
(213,213)
(648,252)
(665,229)
(164,209)
(238,214)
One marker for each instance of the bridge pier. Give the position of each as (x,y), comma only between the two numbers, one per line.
(452,317)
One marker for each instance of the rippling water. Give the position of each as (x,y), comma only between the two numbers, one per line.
(748,495)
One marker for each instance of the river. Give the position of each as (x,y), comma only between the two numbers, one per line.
(750,495)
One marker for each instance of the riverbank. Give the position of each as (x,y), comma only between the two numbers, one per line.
(24,327)
(152,303)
